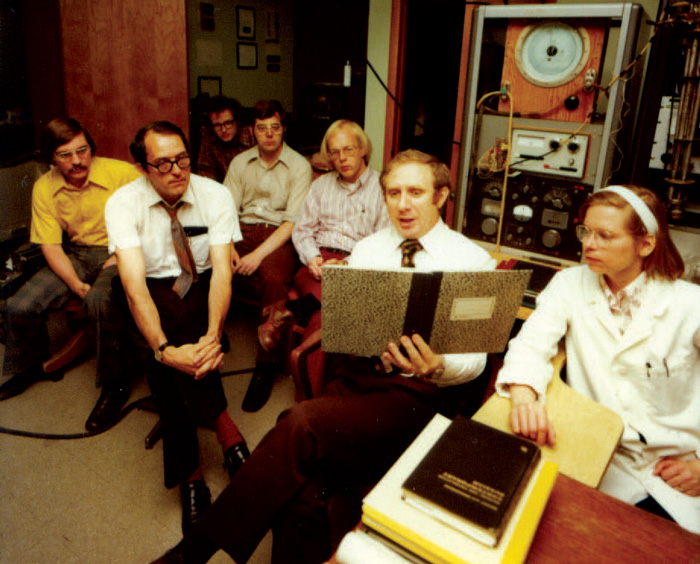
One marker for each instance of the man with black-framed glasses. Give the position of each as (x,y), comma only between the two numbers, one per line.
(269,183)
(171,232)
(68,223)
(223,138)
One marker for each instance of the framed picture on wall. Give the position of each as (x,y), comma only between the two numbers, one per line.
(209,85)
(247,55)
(246,22)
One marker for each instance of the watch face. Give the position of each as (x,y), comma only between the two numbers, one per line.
(551,53)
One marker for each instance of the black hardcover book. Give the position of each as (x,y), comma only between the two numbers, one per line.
(472,478)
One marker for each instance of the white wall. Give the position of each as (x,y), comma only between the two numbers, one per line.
(214,53)
(378,38)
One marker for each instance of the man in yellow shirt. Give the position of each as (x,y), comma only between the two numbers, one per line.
(68,222)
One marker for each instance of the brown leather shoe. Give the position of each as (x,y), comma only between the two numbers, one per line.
(278,319)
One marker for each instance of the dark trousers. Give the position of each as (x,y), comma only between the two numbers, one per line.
(27,311)
(352,434)
(183,403)
(273,278)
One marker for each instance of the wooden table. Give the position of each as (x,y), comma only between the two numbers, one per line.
(585,526)
(582,524)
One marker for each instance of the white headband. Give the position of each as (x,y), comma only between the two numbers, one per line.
(638,205)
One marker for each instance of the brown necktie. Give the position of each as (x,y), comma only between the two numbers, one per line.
(182,250)
(409,247)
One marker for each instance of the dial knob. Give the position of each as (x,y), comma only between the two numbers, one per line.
(489,226)
(551,238)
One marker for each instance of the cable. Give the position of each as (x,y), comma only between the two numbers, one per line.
(386,88)
(128,409)
(33,435)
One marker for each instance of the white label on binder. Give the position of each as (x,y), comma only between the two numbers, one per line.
(465,309)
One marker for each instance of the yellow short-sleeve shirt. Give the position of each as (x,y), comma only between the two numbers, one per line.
(80,212)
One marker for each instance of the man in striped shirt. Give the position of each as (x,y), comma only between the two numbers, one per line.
(341,208)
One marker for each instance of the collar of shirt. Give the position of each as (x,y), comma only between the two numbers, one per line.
(355,186)
(283,158)
(627,301)
(154,198)
(96,177)
(430,241)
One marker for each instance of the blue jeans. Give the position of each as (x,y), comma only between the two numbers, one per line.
(27,311)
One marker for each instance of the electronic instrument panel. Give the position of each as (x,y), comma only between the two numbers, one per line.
(540,214)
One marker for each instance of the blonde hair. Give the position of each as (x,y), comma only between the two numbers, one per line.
(359,133)
(441,174)
(664,261)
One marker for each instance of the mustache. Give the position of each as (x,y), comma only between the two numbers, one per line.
(78,168)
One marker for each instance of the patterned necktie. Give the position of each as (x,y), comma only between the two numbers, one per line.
(182,250)
(409,247)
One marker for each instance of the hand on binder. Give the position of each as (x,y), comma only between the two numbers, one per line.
(412,356)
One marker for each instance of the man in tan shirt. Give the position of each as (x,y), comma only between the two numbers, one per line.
(269,183)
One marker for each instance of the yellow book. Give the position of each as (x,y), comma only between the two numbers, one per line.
(385,512)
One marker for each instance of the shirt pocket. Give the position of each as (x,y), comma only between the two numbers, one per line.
(669,385)
(199,244)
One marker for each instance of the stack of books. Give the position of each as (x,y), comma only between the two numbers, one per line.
(462,493)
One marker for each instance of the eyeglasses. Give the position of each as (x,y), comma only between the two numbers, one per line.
(348,151)
(166,166)
(603,238)
(262,128)
(66,155)
(224,124)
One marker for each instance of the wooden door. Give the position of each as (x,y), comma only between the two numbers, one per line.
(125,64)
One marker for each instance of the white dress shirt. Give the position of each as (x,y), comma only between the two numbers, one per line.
(443,250)
(135,218)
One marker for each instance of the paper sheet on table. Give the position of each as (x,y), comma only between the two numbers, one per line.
(359,548)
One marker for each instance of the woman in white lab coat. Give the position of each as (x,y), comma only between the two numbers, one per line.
(632,335)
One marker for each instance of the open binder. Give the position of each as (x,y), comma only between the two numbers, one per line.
(454,311)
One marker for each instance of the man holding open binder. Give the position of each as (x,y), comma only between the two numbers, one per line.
(369,411)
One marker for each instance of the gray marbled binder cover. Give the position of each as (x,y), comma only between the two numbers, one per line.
(365,309)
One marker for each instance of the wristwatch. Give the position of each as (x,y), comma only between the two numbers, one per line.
(159,351)
(438,372)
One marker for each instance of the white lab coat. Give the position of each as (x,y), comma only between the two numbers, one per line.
(650,375)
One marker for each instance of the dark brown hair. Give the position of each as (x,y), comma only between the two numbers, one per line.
(265,109)
(221,103)
(60,131)
(138,145)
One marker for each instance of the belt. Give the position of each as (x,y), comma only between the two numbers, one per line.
(260,224)
(334,250)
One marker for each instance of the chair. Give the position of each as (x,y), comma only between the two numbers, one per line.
(587,433)
(297,363)
(77,344)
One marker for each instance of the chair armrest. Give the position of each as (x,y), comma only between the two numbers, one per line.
(297,362)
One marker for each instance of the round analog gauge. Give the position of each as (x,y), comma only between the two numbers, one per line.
(551,53)
(522,213)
